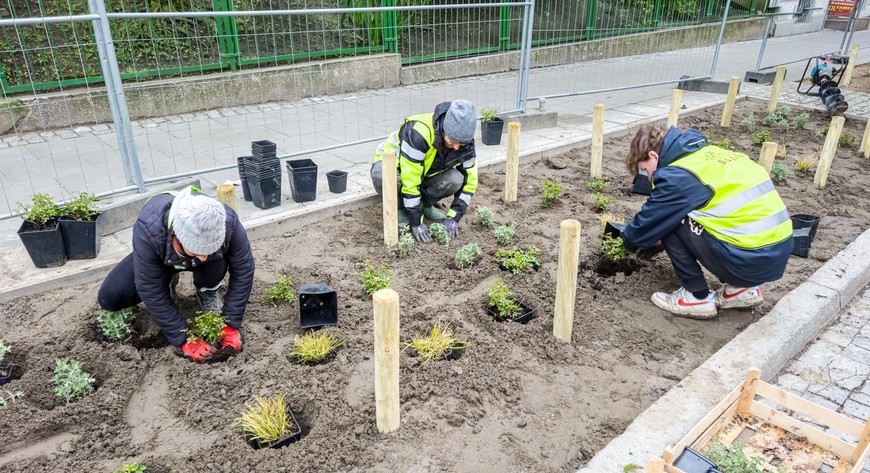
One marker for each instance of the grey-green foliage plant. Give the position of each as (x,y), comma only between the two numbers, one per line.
(801,120)
(600,202)
(732,459)
(504,234)
(486,217)
(406,243)
(131,468)
(779,172)
(42,210)
(117,325)
(374,278)
(551,192)
(9,398)
(70,380)
(467,255)
(759,138)
(439,233)
(82,207)
(281,292)
(597,184)
(782,125)
(749,123)
(502,298)
(516,260)
(846,140)
(4,350)
(614,248)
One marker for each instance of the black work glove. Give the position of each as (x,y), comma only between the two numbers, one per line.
(421,233)
(452,228)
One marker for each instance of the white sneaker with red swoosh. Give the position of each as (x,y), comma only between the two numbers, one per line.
(683,304)
(731,297)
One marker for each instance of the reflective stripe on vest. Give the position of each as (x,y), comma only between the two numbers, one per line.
(745,210)
(425,125)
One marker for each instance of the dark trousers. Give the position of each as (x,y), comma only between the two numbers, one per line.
(119,288)
(689,249)
(432,189)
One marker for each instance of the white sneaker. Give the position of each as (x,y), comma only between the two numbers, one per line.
(731,297)
(683,304)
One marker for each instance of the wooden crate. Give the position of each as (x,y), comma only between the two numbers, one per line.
(741,409)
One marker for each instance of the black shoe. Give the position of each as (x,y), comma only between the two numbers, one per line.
(209,300)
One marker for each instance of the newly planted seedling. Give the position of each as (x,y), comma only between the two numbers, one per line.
(436,344)
(467,255)
(801,120)
(82,207)
(4,350)
(760,137)
(846,140)
(439,233)
(805,165)
(131,468)
(314,347)
(724,143)
(281,292)
(730,458)
(9,398)
(614,248)
(486,217)
(504,234)
(266,420)
(41,212)
(551,192)
(749,123)
(779,172)
(502,298)
(597,184)
(516,261)
(374,278)
(600,202)
(70,380)
(116,326)
(206,326)
(406,243)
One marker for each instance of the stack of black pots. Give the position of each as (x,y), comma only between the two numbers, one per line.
(263,175)
(246,190)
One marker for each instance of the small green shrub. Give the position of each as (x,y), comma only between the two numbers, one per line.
(516,260)
(614,248)
(770,119)
(502,298)
(4,350)
(9,398)
(504,234)
(552,191)
(486,217)
(467,255)
(439,233)
(42,211)
(116,326)
(600,203)
(206,326)
(731,459)
(131,468)
(406,243)
(846,140)
(801,120)
(597,184)
(760,137)
(779,172)
(70,380)
(280,292)
(724,143)
(82,207)
(374,278)
(749,123)
(488,114)
(782,125)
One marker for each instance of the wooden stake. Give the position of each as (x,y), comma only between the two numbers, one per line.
(595,167)
(829,149)
(747,394)
(566,279)
(733,88)
(777,87)
(512,166)
(386,308)
(676,103)
(390,195)
(768,154)
(656,465)
(226,194)
(853,59)
(863,442)
(865,141)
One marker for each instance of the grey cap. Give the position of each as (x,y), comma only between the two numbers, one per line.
(199,223)
(460,121)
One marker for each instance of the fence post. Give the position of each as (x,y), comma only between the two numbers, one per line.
(504,27)
(657,13)
(227,33)
(387,408)
(566,279)
(763,43)
(525,56)
(590,19)
(391,36)
(719,41)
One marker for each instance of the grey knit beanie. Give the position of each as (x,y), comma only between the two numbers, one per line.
(199,223)
(460,121)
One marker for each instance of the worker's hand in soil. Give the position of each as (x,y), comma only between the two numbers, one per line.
(452,228)
(230,337)
(421,233)
(197,350)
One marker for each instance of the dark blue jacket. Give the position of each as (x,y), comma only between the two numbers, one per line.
(155,261)
(677,192)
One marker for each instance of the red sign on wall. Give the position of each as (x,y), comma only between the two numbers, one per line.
(840,8)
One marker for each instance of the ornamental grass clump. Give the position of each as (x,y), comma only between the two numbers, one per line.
(206,326)
(131,468)
(516,261)
(281,292)
(374,278)
(436,344)
(779,172)
(70,380)
(439,233)
(314,347)
(805,165)
(266,420)
(503,300)
(504,234)
(485,216)
(467,255)
(552,191)
(117,326)
(614,248)
(846,140)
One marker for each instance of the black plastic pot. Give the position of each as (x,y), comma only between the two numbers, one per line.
(45,247)
(691,461)
(263,148)
(266,191)
(303,179)
(490,132)
(81,238)
(7,374)
(527,314)
(614,229)
(802,242)
(641,184)
(290,438)
(806,221)
(337,181)
(318,305)
(246,190)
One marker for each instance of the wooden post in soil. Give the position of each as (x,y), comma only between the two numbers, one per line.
(829,149)
(676,103)
(226,194)
(865,141)
(512,165)
(656,465)
(777,87)
(729,102)
(747,393)
(566,279)
(768,154)
(595,167)
(850,68)
(390,196)
(386,308)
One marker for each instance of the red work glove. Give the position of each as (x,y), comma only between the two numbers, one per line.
(230,337)
(198,350)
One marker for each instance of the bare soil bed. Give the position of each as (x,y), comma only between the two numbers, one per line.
(515,401)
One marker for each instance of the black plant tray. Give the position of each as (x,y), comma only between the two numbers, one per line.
(318,305)
(7,373)
(802,242)
(527,314)
(614,229)
(292,438)
(263,148)
(799,221)
(691,461)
